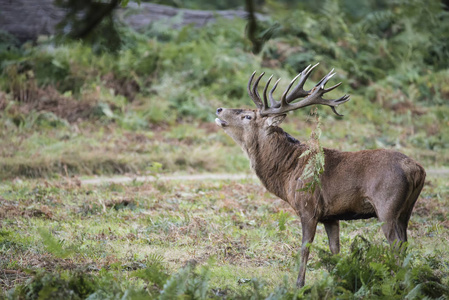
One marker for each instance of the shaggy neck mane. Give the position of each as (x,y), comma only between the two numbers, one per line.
(274,157)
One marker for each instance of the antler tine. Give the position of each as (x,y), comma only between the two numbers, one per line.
(265,100)
(339,101)
(343,99)
(273,102)
(298,91)
(325,79)
(253,92)
(250,81)
(333,87)
(284,94)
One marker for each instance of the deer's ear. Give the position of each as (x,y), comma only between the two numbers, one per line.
(274,120)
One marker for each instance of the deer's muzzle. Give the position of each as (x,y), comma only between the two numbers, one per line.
(221,123)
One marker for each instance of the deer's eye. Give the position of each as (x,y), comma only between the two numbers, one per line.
(248,117)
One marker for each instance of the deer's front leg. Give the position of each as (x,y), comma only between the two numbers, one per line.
(308,234)
(333,233)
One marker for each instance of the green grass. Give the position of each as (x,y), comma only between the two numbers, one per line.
(95,148)
(90,150)
(241,235)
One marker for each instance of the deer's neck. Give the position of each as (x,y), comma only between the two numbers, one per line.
(275,159)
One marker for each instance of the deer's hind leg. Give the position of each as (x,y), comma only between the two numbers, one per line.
(396,214)
(395,231)
(394,227)
(333,233)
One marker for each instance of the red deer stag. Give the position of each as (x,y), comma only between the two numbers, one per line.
(354,185)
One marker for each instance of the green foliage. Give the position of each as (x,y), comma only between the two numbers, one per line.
(56,286)
(54,246)
(314,156)
(5,238)
(186,73)
(187,283)
(176,286)
(155,272)
(390,41)
(282,219)
(368,271)
(373,270)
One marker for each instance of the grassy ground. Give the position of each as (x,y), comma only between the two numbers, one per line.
(234,230)
(68,110)
(96,147)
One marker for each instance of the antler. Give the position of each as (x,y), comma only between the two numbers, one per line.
(313,96)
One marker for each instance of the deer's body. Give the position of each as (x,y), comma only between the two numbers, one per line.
(354,185)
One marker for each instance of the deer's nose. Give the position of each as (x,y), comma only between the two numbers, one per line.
(219,110)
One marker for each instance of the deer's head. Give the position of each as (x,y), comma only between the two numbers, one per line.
(245,125)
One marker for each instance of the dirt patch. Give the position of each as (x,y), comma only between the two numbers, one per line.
(122,86)
(68,109)
(428,207)
(138,138)
(407,106)
(196,226)
(120,204)
(50,100)
(11,278)
(13,210)
(27,262)
(209,127)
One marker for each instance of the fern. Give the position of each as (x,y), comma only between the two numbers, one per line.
(155,272)
(282,218)
(187,283)
(176,285)
(315,162)
(54,246)
(199,285)
(374,270)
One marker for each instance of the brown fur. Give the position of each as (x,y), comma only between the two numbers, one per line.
(355,185)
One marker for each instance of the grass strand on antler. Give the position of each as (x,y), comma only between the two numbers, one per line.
(315,163)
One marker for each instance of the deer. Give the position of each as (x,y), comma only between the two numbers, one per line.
(379,183)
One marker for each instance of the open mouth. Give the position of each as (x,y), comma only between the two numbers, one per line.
(221,123)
